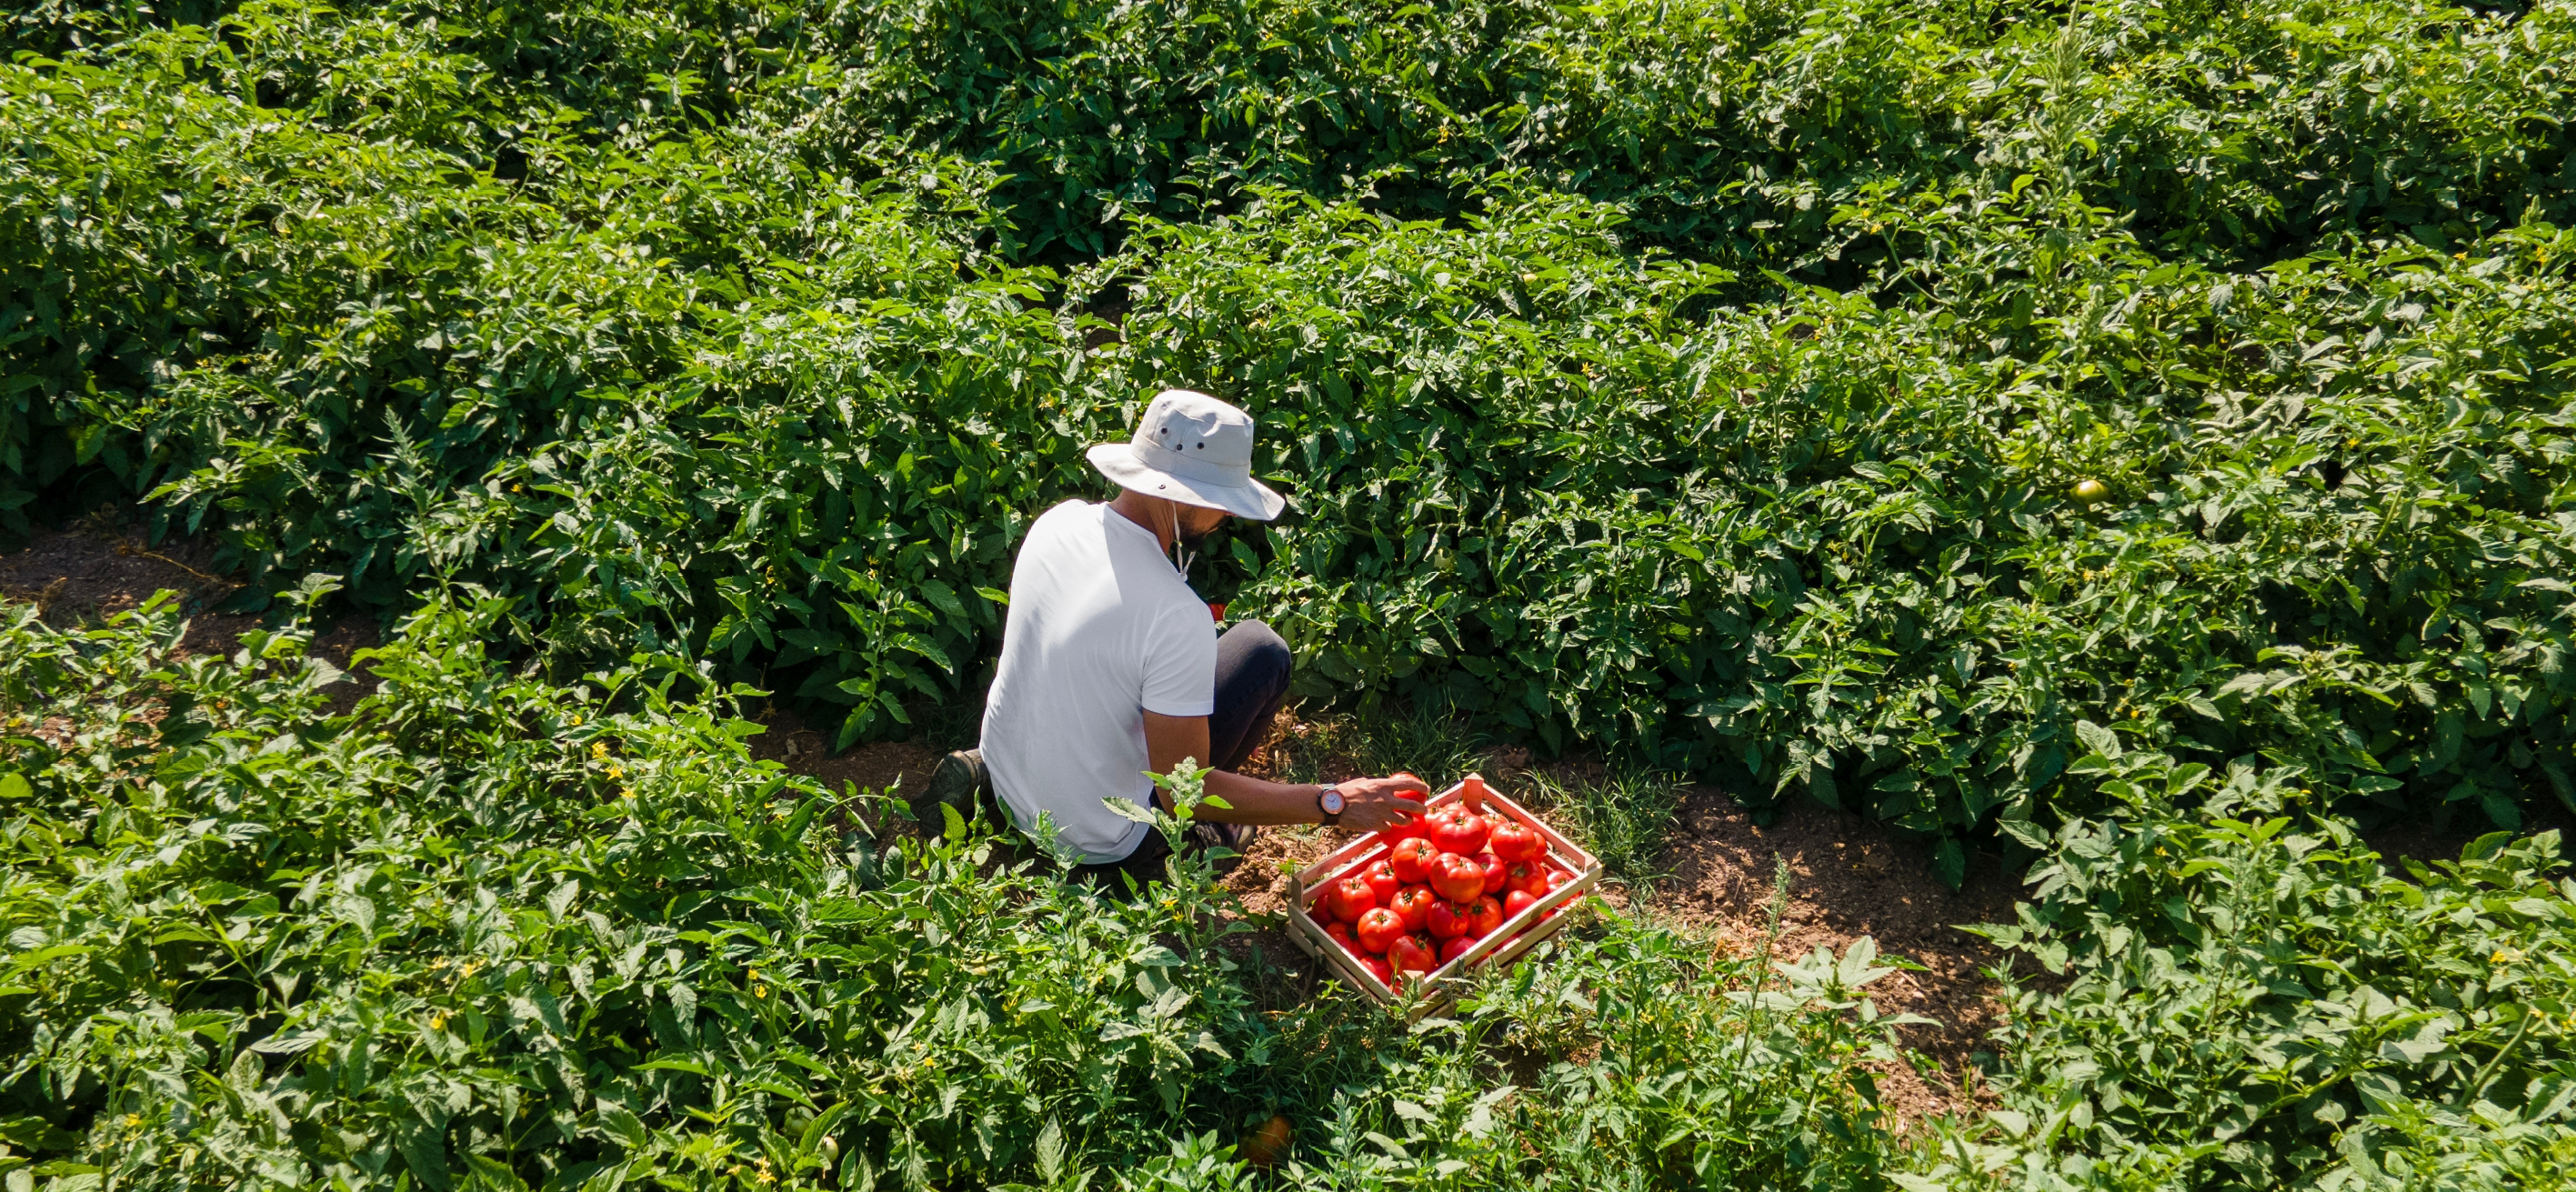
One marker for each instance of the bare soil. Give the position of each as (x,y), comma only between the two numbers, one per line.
(90,574)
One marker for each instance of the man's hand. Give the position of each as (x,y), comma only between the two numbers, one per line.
(1376,804)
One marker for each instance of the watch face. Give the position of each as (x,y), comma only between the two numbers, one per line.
(1332,801)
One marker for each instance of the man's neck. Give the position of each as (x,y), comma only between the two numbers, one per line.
(1153,513)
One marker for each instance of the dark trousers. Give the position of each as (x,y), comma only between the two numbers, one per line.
(1251,682)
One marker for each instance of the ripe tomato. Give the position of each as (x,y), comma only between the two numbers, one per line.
(1341,933)
(1463,833)
(1514,841)
(1411,858)
(1528,877)
(1412,904)
(1381,880)
(1348,899)
(1558,879)
(1456,948)
(1494,875)
(1456,878)
(1517,901)
(1411,954)
(1264,1146)
(1379,928)
(1447,920)
(1380,969)
(1483,916)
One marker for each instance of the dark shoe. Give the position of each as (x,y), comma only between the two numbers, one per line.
(1235,838)
(959,781)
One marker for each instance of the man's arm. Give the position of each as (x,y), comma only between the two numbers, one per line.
(1371,804)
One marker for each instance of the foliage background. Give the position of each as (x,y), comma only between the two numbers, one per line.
(484,931)
(1704,383)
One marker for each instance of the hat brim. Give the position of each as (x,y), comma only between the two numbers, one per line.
(1254,500)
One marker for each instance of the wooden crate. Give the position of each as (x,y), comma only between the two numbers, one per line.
(1517,934)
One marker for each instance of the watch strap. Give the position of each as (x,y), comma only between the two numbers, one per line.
(1331,818)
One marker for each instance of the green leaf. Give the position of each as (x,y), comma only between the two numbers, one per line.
(2098,739)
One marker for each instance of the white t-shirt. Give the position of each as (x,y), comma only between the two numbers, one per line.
(1101,631)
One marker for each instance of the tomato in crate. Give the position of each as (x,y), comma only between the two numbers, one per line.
(1411,858)
(1382,882)
(1379,928)
(1477,878)
(1349,899)
(1413,904)
(1411,954)
(1513,841)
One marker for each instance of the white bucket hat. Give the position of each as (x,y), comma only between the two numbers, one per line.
(1195,450)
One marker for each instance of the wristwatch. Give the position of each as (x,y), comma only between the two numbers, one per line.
(1328,799)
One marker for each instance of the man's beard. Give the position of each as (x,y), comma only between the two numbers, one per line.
(1193,539)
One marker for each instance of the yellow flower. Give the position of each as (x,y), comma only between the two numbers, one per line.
(2505,956)
(626,792)
(760,991)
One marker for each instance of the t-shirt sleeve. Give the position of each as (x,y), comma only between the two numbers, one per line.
(1180,665)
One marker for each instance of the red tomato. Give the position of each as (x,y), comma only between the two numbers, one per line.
(1456,948)
(1380,877)
(1263,1147)
(1341,933)
(1379,928)
(1528,877)
(1494,875)
(1515,841)
(1411,954)
(1414,825)
(1517,901)
(1483,916)
(1412,903)
(1463,834)
(1411,858)
(1556,880)
(1348,899)
(1380,969)
(1456,878)
(1447,920)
